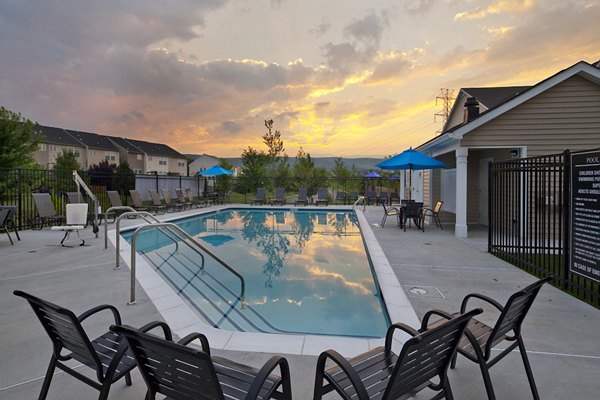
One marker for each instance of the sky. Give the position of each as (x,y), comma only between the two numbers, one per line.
(342,78)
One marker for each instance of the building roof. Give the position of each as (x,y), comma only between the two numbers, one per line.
(491,97)
(581,68)
(58,136)
(125,144)
(155,149)
(93,140)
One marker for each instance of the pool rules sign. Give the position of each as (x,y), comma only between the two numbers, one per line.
(585,214)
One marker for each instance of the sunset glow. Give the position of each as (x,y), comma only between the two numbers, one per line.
(339,78)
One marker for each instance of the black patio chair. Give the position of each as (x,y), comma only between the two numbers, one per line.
(390,212)
(352,197)
(107,355)
(138,204)
(340,197)
(381,374)
(171,205)
(302,197)
(156,203)
(185,203)
(322,197)
(184,373)
(46,213)
(479,338)
(412,211)
(372,198)
(279,196)
(261,197)
(7,223)
(434,213)
(197,203)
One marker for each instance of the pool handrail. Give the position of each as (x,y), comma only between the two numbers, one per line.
(144,215)
(115,208)
(177,228)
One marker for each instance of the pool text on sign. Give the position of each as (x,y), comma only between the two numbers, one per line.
(585,214)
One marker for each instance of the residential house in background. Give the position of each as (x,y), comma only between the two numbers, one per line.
(493,124)
(90,148)
(205,161)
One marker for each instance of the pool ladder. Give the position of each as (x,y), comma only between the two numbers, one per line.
(170,230)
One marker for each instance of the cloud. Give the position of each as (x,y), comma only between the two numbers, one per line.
(231,127)
(496,7)
(368,30)
(419,7)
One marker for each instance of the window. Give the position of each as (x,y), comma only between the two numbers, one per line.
(42,147)
(180,164)
(53,148)
(149,158)
(112,158)
(162,162)
(93,152)
(139,156)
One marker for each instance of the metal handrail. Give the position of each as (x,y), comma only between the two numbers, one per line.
(364,202)
(143,215)
(192,240)
(116,208)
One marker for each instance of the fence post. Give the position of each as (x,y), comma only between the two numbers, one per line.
(20,196)
(566,283)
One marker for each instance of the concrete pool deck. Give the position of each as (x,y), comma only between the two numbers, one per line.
(560,332)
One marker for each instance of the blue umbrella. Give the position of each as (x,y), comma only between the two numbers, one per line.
(216,170)
(410,159)
(216,240)
(372,174)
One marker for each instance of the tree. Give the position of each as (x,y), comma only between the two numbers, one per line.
(66,160)
(254,168)
(273,140)
(102,174)
(18,140)
(224,181)
(124,178)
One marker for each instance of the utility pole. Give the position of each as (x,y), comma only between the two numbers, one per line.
(446,97)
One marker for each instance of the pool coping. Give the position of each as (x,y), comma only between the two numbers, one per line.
(183,319)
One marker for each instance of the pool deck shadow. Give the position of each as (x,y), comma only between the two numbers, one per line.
(435,269)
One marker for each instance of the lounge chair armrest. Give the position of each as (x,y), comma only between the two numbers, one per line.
(158,324)
(201,338)
(359,387)
(428,314)
(99,308)
(390,334)
(463,306)
(265,371)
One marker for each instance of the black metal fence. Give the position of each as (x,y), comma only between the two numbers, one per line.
(17,185)
(529,220)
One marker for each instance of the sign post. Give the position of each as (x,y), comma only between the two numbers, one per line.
(584,238)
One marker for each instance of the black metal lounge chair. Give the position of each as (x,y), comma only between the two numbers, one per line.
(352,197)
(184,373)
(279,196)
(260,196)
(412,211)
(156,203)
(107,355)
(170,203)
(390,212)
(182,200)
(322,197)
(138,204)
(479,338)
(383,375)
(394,198)
(434,213)
(7,223)
(115,201)
(46,213)
(302,197)
(340,197)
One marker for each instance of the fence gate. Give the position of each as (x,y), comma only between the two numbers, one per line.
(530,220)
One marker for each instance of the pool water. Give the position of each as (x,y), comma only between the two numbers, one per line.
(305,272)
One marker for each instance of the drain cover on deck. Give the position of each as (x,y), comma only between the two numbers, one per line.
(424,291)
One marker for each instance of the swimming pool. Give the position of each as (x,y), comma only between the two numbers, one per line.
(305,272)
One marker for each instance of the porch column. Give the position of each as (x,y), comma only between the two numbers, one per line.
(460,229)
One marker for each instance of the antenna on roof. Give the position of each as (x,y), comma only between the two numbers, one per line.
(446,97)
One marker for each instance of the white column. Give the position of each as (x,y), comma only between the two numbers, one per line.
(460,229)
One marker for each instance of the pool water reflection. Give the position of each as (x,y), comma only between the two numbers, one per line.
(305,271)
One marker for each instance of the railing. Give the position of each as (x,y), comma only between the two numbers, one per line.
(190,240)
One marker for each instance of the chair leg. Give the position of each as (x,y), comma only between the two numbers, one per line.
(128,379)
(534,391)
(64,237)
(105,389)
(382,221)
(487,380)
(48,378)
